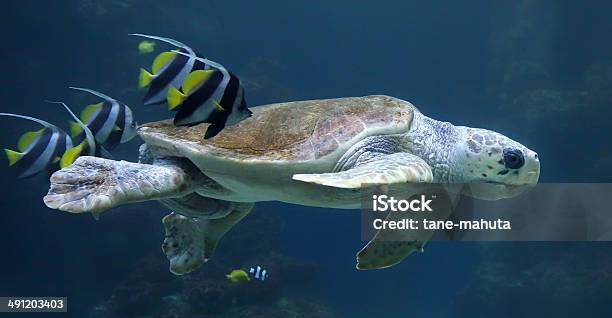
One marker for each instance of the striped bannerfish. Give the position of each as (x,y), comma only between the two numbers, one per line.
(259,273)
(87,146)
(214,96)
(111,122)
(169,69)
(39,150)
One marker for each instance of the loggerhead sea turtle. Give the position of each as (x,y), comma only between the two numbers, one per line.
(315,153)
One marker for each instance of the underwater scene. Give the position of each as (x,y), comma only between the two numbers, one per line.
(204,159)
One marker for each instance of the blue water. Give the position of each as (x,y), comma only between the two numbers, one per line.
(537,71)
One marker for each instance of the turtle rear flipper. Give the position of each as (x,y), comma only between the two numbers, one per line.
(94,185)
(191,241)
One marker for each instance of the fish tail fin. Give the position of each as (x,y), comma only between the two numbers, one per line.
(175,97)
(12,156)
(144,78)
(75,128)
(71,154)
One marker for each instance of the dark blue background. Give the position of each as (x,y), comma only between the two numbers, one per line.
(537,71)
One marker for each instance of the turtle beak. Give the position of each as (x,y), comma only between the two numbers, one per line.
(531,173)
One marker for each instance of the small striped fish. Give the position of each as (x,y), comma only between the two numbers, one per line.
(39,150)
(214,96)
(258,273)
(168,69)
(111,122)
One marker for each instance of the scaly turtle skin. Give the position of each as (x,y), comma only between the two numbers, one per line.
(315,153)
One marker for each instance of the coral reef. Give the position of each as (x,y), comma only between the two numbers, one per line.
(150,290)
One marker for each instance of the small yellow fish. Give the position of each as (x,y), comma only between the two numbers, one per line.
(145,47)
(237,275)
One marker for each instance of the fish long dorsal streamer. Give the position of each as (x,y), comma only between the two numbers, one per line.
(87,146)
(161,38)
(91,91)
(90,139)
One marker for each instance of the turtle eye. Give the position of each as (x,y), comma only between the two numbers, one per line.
(513,158)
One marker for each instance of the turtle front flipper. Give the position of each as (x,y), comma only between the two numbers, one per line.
(385,249)
(191,241)
(94,185)
(384,169)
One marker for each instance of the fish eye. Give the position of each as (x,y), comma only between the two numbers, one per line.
(513,158)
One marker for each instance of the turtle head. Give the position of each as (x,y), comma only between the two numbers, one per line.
(493,165)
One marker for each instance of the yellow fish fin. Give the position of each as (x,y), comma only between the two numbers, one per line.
(26,139)
(71,154)
(194,79)
(12,156)
(240,274)
(175,97)
(161,60)
(88,111)
(144,78)
(218,106)
(75,128)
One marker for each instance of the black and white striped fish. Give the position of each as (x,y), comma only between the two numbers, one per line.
(86,147)
(214,96)
(39,150)
(112,122)
(169,69)
(258,273)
